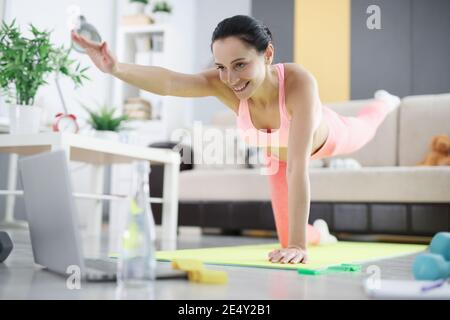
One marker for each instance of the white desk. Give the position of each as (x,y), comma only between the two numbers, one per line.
(99,152)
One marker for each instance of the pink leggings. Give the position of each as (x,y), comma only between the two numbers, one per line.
(346,135)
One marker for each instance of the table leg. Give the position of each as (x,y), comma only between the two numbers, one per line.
(12,185)
(170,206)
(94,218)
(118,210)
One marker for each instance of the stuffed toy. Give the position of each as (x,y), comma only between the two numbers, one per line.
(439,154)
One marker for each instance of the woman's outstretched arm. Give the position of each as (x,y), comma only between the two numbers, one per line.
(166,82)
(154,79)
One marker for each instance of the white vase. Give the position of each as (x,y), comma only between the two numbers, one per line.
(24,119)
(161,17)
(107,135)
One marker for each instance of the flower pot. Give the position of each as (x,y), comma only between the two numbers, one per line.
(107,135)
(24,119)
(136,8)
(161,17)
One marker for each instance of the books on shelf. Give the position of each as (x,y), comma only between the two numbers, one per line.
(137,109)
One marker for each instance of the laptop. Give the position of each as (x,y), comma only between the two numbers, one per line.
(53,221)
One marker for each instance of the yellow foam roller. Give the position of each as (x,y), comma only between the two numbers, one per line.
(187,264)
(208,276)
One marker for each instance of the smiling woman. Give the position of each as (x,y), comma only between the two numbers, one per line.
(279,104)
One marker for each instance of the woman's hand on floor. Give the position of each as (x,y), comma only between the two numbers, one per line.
(288,255)
(98,52)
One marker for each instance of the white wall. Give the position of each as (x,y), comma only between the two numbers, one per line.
(210,13)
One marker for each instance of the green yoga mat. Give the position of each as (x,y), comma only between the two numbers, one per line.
(319,256)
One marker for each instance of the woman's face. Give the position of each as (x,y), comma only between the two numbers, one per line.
(241,67)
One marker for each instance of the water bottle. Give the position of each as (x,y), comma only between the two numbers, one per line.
(137,262)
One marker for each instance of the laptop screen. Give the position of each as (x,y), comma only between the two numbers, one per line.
(51,211)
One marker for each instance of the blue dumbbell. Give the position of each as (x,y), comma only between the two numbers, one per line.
(430,266)
(440,244)
(436,264)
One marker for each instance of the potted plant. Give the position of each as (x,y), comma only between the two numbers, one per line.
(105,123)
(24,65)
(137,6)
(161,12)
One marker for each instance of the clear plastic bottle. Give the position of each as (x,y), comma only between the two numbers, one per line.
(137,261)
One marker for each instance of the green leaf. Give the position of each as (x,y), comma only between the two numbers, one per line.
(103,118)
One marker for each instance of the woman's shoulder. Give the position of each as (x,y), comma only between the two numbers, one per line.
(222,92)
(298,82)
(296,74)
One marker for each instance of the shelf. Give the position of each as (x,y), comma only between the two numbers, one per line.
(151,28)
(162,43)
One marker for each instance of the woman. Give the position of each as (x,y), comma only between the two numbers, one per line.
(277,104)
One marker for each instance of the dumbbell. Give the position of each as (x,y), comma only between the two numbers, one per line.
(436,264)
(440,244)
(430,266)
(6,246)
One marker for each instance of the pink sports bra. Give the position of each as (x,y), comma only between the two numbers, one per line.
(267,137)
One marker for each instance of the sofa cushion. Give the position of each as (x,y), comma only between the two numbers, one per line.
(382,184)
(223,184)
(421,117)
(371,184)
(382,149)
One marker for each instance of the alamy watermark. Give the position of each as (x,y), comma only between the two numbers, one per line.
(73,281)
(218,147)
(373,22)
(374,279)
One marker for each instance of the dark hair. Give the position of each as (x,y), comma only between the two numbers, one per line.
(247,29)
